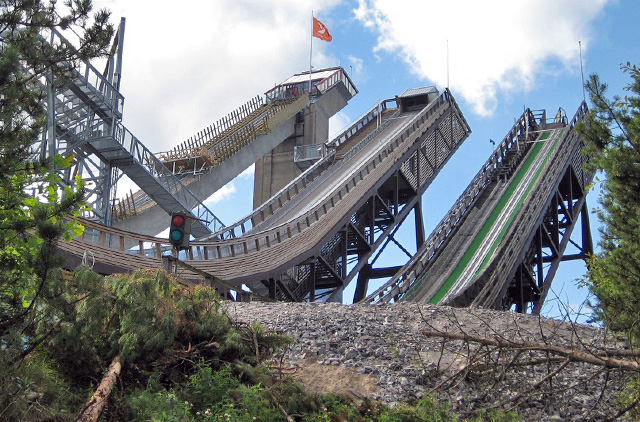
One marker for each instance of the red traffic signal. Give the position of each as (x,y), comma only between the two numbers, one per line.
(179,230)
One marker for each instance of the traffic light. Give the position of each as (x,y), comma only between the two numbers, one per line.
(179,230)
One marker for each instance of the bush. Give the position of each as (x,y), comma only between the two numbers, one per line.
(161,406)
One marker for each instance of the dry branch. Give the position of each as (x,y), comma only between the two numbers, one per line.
(573,355)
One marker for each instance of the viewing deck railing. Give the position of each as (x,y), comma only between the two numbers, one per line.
(339,76)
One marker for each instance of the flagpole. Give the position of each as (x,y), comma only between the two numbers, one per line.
(448,64)
(310,54)
(584,95)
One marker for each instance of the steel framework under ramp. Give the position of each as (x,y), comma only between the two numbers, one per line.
(567,209)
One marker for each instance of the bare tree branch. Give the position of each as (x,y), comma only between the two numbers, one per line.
(573,355)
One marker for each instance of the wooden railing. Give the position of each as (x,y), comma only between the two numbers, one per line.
(213,152)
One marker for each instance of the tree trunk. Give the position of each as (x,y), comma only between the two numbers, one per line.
(96,403)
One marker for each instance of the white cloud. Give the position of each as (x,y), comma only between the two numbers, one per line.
(356,68)
(248,173)
(221,194)
(338,122)
(185,66)
(494,45)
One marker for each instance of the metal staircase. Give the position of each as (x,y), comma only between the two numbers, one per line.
(213,145)
(84,121)
(121,149)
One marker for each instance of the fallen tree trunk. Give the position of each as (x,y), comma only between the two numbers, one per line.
(96,403)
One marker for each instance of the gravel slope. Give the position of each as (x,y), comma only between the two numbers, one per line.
(379,351)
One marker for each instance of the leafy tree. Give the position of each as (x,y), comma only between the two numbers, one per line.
(612,134)
(34,297)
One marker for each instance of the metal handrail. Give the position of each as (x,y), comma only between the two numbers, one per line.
(286,193)
(365,141)
(94,79)
(150,163)
(266,209)
(358,124)
(339,76)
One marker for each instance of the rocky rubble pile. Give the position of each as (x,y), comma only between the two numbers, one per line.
(380,351)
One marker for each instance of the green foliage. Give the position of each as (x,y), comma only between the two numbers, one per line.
(148,320)
(612,134)
(35,299)
(628,399)
(140,317)
(219,396)
(158,406)
(493,415)
(35,390)
(208,389)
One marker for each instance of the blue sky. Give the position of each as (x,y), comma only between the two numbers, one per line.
(187,65)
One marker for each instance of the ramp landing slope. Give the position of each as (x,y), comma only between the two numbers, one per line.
(502,241)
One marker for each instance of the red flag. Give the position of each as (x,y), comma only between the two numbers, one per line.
(320,31)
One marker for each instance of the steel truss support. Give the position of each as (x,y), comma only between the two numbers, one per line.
(74,111)
(347,253)
(368,272)
(533,276)
(372,226)
(377,217)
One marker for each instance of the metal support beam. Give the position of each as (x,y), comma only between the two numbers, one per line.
(272,288)
(312,287)
(533,276)
(419,223)
(362,284)
(284,289)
